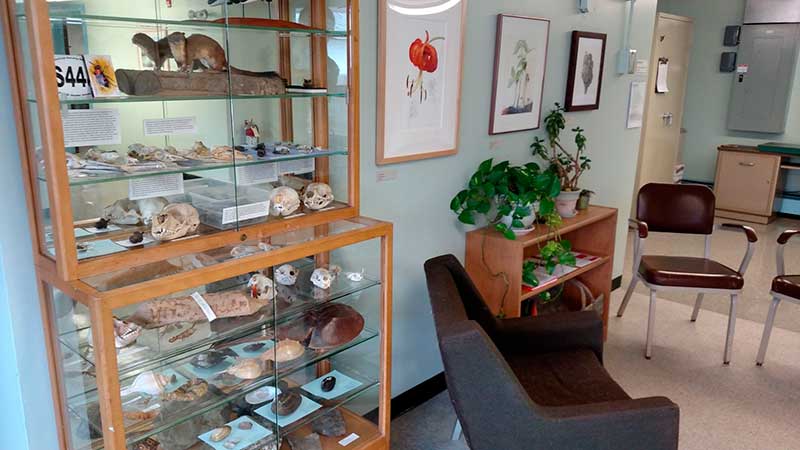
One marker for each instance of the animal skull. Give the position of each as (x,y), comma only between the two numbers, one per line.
(149,207)
(286,274)
(322,278)
(284,201)
(261,287)
(318,196)
(175,221)
(128,212)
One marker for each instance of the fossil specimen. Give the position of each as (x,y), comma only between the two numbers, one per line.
(330,424)
(160,312)
(136,238)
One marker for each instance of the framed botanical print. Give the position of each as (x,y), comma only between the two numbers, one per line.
(585,77)
(520,64)
(419,78)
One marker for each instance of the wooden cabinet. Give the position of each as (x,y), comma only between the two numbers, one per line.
(495,263)
(746,184)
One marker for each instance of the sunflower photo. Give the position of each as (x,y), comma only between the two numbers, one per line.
(101,76)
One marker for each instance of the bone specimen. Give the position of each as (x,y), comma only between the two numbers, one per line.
(157,313)
(189,392)
(175,221)
(322,278)
(129,212)
(125,333)
(318,196)
(286,275)
(284,201)
(261,287)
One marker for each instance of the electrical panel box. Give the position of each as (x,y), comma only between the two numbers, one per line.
(772,11)
(762,84)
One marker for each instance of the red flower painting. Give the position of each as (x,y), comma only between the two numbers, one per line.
(423,56)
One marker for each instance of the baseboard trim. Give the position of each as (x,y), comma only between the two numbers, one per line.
(787,215)
(413,397)
(616,283)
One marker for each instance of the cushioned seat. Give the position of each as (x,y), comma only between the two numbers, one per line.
(788,285)
(566,378)
(680,271)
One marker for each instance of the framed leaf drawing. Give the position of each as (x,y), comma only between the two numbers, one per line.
(520,64)
(419,78)
(585,77)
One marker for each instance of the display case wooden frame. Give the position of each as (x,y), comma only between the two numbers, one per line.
(101,305)
(52,139)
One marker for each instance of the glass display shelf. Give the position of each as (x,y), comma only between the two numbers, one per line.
(178,98)
(195,166)
(156,346)
(99,19)
(133,275)
(225,390)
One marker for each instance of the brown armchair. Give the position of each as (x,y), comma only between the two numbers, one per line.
(784,287)
(683,209)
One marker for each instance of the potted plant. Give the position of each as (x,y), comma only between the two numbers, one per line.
(507,196)
(569,167)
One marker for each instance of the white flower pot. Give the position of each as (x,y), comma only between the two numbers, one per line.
(565,203)
(527,221)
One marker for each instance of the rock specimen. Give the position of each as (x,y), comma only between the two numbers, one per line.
(331,424)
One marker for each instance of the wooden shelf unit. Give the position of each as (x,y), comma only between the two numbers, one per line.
(592,231)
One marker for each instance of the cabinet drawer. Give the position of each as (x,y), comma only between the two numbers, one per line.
(746,182)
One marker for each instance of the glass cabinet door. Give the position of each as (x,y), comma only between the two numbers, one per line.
(284,352)
(183,119)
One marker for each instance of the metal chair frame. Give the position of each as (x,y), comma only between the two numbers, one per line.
(780,263)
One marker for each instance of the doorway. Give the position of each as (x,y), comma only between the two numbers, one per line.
(660,147)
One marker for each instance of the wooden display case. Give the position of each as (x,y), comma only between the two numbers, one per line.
(123,379)
(319,48)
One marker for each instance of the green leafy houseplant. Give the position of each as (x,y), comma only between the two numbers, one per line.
(498,190)
(569,167)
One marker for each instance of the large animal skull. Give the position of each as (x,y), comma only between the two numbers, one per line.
(261,287)
(175,221)
(283,201)
(318,196)
(322,278)
(122,212)
(149,207)
(286,274)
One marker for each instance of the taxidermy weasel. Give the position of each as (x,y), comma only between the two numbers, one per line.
(158,52)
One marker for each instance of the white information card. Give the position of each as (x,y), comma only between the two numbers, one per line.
(156,186)
(170,126)
(87,127)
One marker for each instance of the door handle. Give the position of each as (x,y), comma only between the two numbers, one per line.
(747,164)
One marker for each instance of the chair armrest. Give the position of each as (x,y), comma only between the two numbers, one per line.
(641,227)
(647,423)
(748,231)
(786,235)
(565,331)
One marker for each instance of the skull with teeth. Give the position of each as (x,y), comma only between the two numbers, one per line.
(284,201)
(322,278)
(261,287)
(175,221)
(286,275)
(317,196)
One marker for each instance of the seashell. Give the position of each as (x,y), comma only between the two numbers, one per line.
(247,369)
(286,274)
(125,333)
(245,425)
(211,358)
(328,383)
(218,434)
(148,444)
(286,403)
(191,391)
(284,351)
(231,444)
(356,277)
(261,287)
(261,395)
(334,324)
(254,347)
(149,383)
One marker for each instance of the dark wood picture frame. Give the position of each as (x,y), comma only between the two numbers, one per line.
(573,71)
(496,78)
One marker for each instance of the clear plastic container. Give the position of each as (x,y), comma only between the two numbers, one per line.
(216,202)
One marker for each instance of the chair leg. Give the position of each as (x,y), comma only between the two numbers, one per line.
(456,431)
(651,319)
(697,304)
(731,328)
(762,350)
(627,297)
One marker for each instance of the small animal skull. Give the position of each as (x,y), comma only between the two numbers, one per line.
(284,201)
(286,274)
(122,212)
(261,287)
(175,221)
(149,207)
(318,196)
(322,278)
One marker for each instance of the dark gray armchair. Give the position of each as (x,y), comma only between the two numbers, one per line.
(535,383)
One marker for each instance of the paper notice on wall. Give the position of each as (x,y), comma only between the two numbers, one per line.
(636,104)
(662,80)
(642,66)
(257,174)
(87,127)
(170,127)
(157,186)
(296,166)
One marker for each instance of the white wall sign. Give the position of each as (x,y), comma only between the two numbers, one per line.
(170,126)
(71,77)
